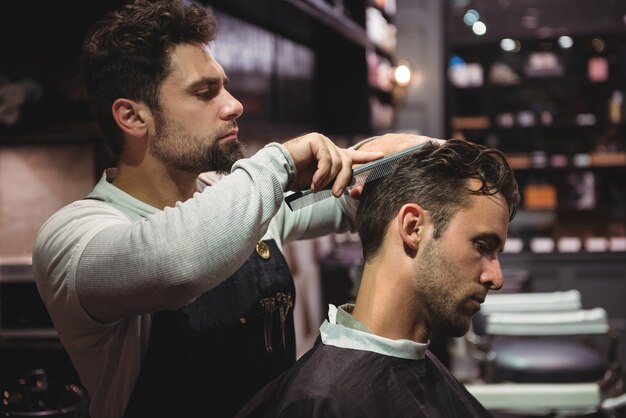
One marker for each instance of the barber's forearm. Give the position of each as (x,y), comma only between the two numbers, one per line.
(175,255)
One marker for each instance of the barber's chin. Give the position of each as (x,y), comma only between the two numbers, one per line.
(231,146)
(229,138)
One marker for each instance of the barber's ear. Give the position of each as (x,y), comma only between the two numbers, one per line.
(410,224)
(131,117)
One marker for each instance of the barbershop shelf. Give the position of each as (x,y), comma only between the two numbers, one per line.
(305,21)
(524,161)
(612,260)
(86,132)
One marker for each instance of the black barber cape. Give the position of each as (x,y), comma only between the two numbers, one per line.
(330,381)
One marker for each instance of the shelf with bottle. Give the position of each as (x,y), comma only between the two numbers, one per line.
(387,8)
(554,147)
(571,202)
(593,58)
(337,34)
(380,90)
(500,76)
(550,108)
(310,22)
(571,87)
(565,231)
(381,29)
(379,72)
(539,160)
(566,246)
(525,122)
(566,132)
(558,115)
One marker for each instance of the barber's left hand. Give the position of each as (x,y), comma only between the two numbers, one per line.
(388,144)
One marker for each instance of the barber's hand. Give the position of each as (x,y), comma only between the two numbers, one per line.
(388,144)
(319,161)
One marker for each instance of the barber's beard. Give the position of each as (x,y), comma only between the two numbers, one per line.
(179,149)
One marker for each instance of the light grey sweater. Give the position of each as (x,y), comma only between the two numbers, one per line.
(117,259)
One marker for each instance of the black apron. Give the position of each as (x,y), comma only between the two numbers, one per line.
(208,358)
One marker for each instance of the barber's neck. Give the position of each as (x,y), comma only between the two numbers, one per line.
(155,184)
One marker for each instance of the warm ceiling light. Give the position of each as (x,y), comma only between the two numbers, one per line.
(402,74)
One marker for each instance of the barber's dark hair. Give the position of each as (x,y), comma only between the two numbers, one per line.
(126,54)
(437,177)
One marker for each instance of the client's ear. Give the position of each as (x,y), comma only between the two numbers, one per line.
(411,219)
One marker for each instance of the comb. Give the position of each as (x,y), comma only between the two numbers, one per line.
(360,175)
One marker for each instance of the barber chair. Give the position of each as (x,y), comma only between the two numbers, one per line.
(550,347)
(464,354)
(515,281)
(545,356)
(561,301)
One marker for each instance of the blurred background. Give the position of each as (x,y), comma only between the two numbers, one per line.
(542,80)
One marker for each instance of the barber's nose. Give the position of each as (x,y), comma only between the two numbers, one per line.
(232,109)
(492,276)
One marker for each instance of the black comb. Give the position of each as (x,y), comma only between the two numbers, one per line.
(360,175)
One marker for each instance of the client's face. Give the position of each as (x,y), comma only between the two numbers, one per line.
(456,270)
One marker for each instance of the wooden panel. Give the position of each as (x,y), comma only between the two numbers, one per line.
(35,181)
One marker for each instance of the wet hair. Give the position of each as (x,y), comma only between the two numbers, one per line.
(126,54)
(436,176)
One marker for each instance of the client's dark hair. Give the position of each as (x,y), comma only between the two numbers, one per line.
(437,177)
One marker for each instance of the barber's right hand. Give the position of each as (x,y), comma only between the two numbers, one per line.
(319,161)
